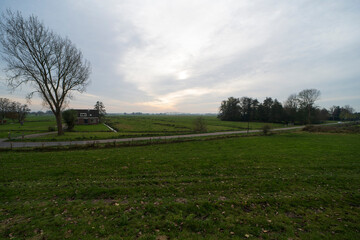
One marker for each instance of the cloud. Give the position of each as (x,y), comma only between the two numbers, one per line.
(189,55)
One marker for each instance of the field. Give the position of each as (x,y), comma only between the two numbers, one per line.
(284,186)
(128,126)
(176,124)
(33,124)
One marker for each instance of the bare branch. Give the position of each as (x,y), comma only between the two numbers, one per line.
(36,56)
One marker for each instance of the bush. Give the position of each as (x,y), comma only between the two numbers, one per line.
(200,125)
(266,129)
(338,128)
(51,129)
(69,117)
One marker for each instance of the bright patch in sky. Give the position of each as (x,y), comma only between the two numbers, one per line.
(182,75)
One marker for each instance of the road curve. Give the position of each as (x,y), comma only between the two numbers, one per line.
(67,143)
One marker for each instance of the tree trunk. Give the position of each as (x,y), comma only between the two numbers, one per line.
(59,123)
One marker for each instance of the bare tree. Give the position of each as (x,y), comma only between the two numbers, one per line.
(307,98)
(346,112)
(291,106)
(4,108)
(101,108)
(38,57)
(21,111)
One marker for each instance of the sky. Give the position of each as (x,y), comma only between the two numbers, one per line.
(187,56)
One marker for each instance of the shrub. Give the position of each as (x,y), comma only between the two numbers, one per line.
(309,128)
(266,129)
(200,125)
(51,129)
(338,128)
(69,117)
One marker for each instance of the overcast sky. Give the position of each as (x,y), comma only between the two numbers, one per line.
(188,56)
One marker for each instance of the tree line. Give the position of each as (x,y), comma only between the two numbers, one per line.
(12,110)
(298,108)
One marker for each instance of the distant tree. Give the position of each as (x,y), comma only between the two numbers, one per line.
(277,112)
(291,106)
(11,113)
(299,108)
(248,108)
(335,112)
(323,115)
(21,111)
(230,110)
(356,116)
(346,113)
(101,108)
(69,117)
(200,124)
(307,98)
(264,110)
(4,108)
(36,56)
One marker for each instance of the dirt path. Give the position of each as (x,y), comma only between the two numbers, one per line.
(67,143)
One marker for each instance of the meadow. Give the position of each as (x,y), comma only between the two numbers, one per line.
(284,186)
(32,125)
(176,124)
(129,126)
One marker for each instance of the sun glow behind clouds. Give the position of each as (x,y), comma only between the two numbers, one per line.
(183,75)
(169,101)
(173,38)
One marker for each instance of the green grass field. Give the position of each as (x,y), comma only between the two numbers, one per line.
(140,126)
(41,124)
(176,124)
(91,128)
(32,124)
(284,186)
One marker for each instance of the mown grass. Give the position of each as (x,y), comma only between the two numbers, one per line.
(41,124)
(178,123)
(293,185)
(30,126)
(91,128)
(78,136)
(148,125)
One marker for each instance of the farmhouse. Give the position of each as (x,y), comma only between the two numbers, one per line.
(87,116)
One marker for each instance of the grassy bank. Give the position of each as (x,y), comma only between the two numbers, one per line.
(295,185)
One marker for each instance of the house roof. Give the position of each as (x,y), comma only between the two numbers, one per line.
(89,112)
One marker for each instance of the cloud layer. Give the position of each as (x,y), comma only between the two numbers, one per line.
(187,56)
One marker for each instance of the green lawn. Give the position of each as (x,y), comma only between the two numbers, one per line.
(178,123)
(284,186)
(139,126)
(40,124)
(32,124)
(75,136)
(91,128)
